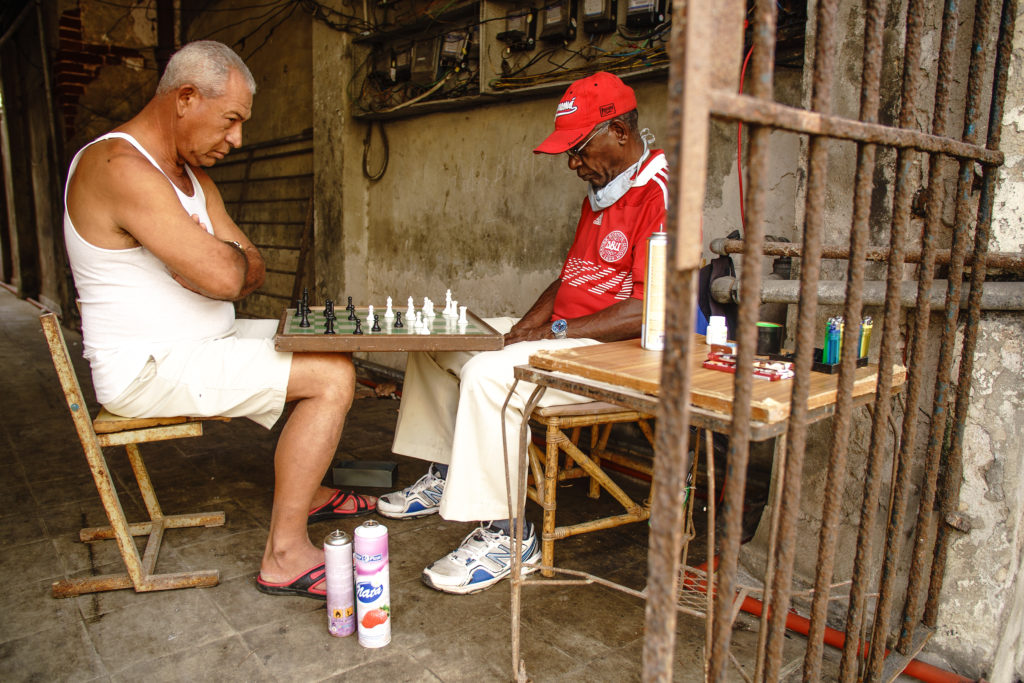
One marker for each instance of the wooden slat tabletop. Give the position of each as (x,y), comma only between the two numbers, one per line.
(626,364)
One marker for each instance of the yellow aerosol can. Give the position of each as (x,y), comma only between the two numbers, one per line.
(653,331)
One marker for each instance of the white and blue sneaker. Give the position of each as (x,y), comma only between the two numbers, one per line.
(483,559)
(419,500)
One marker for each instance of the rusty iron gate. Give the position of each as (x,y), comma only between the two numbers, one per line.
(702,86)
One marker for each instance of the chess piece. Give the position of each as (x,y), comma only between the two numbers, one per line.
(398,320)
(304,322)
(359,327)
(389,313)
(462,315)
(329,325)
(376,324)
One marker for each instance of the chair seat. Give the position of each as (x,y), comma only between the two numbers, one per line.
(109,423)
(596,408)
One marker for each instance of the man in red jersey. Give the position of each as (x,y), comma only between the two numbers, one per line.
(451,412)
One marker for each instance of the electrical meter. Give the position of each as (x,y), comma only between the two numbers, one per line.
(453,48)
(599,16)
(424,62)
(401,63)
(520,30)
(643,13)
(559,21)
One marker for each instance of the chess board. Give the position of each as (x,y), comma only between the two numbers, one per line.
(445,334)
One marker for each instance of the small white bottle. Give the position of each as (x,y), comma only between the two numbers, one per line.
(717,332)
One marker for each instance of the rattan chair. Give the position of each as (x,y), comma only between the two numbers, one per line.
(562,459)
(112,430)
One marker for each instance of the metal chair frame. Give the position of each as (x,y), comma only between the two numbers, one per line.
(112,430)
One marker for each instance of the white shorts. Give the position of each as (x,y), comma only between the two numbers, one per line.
(239,375)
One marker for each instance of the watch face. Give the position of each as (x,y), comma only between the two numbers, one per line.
(559,326)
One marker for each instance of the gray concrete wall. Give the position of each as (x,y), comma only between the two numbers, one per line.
(465,204)
(982,611)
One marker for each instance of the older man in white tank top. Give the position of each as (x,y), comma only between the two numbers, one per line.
(157,262)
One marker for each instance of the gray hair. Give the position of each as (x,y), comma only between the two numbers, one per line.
(205,64)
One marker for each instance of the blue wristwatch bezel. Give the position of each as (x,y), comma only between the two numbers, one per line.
(559,327)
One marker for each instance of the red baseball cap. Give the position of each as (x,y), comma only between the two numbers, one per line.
(586,103)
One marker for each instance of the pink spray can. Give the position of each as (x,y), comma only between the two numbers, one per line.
(341,616)
(373,593)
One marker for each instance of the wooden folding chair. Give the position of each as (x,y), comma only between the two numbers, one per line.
(564,426)
(112,430)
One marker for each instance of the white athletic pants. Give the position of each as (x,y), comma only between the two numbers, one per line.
(451,414)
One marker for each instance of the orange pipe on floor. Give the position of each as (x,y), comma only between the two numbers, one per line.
(794,622)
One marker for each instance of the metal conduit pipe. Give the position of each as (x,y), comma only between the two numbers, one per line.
(996,296)
(1012,261)
(915,668)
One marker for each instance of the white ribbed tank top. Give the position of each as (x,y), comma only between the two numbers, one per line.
(131,307)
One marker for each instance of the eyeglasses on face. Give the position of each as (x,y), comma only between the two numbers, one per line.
(577,151)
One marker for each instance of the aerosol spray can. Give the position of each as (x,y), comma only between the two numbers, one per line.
(341,609)
(653,330)
(373,594)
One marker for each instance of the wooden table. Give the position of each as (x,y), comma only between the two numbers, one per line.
(625,374)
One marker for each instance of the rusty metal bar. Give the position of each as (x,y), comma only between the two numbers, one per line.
(671,465)
(917,345)
(889,343)
(980,58)
(1007,260)
(953,467)
(516,509)
(859,235)
(689,79)
(732,107)
(995,296)
(796,440)
(762,76)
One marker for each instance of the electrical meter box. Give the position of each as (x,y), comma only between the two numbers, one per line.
(401,63)
(599,16)
(424,62)
(520,30)
(644,13)
(453,48)
(558,21)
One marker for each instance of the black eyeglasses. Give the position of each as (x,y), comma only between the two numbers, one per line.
(577,151)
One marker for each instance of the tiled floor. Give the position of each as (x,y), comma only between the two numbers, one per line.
(232,632)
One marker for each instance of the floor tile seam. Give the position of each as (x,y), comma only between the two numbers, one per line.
(12,449)
(250,653)
(183,648)
(95,651)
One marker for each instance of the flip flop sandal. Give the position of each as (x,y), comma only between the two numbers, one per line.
(342,505)
(311,584)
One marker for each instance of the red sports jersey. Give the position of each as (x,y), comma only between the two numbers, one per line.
(608,257)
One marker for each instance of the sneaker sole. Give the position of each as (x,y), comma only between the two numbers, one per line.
(407,515)
(482,585)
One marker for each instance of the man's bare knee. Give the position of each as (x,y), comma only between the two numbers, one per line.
(328,376)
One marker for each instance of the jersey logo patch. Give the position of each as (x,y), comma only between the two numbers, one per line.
(599,219)
(566,107)
(614,246)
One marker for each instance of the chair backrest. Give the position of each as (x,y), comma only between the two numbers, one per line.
(66,374)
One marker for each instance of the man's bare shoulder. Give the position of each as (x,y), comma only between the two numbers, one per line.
(114,163)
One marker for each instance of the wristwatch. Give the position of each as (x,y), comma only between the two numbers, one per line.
(559,327)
